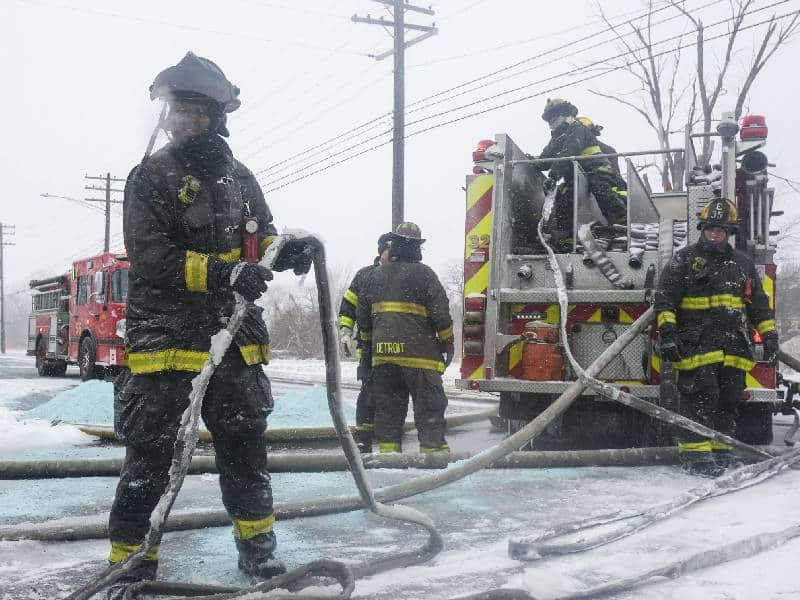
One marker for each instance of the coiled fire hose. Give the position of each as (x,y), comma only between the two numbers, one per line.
(186,441)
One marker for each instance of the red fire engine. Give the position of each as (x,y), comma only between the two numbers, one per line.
(79,317)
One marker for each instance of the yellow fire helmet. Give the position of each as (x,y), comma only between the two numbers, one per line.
(720,212)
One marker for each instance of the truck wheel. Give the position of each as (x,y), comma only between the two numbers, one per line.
(87,354)
(42,368)
(59,368)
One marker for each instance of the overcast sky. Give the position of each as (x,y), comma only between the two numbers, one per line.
(75,101)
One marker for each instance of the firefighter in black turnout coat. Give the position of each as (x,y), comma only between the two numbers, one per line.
(570,137)
(405,317)
(185,210)
(705,297)
(365,408)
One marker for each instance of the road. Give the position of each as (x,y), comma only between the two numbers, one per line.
(476,517)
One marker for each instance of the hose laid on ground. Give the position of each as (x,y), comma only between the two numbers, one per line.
(744,548)
(738,479)
(186,440)
(297,434)
(326,463)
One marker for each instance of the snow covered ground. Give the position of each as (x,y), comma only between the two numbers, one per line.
(476,516)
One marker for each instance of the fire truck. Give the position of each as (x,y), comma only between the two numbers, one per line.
(79,318)
(511,339)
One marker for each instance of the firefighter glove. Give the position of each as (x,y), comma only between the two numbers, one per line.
(248,279)
(296,255)
(549,185)
(346,341)
(669,343)
(449,350)
(771,347)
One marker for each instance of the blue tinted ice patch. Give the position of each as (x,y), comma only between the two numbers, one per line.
(93,403)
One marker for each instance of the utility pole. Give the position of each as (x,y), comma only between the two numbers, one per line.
(399,27)
(4,230)
(107,189)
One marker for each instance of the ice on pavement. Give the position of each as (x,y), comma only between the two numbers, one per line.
(25,435)
(92,402)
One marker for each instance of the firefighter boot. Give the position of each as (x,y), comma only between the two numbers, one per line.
(724,458)
(701,464)
(363,439)
(255,556)
(144,571)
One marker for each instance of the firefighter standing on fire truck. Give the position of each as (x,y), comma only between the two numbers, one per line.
(185,211)
(597,130)
(405,316)
(704,296)
(570,137)
(365,408)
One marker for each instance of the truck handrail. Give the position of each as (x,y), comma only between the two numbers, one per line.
(594,156)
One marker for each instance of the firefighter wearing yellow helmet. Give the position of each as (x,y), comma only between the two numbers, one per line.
(570,137)
(597,130)
(705,295)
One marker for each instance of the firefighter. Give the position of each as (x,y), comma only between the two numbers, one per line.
(597,130)
(704,296)
(570,137)
(405,317)
(184,213)
(365,409)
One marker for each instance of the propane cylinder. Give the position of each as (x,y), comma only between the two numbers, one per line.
(250,240)
(541,355)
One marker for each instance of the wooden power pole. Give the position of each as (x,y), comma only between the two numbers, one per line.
(107,178)
(399,27)
(4,231)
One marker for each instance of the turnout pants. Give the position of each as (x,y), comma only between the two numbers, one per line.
(608,189)
(391,386)
(148,410)
(709,395)
(365,407)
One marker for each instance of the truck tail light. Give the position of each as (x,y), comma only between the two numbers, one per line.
(754,127)
(757,337)
(479,154)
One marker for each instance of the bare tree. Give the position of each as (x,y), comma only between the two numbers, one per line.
(662,100)
(660,95)
(788,301)
(712,88)
(452,278)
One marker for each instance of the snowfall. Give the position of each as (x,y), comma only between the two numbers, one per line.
(477,516)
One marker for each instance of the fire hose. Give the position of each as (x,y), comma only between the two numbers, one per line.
(186,441)
(738,479)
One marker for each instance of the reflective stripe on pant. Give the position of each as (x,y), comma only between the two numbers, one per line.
(147,414)
(391,386)
(710,395)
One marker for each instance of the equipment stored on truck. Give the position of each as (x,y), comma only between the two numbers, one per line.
(510,291)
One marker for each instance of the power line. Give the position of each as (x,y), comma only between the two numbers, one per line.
(516,101)
(158,22)
(506,92)
(377,120)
